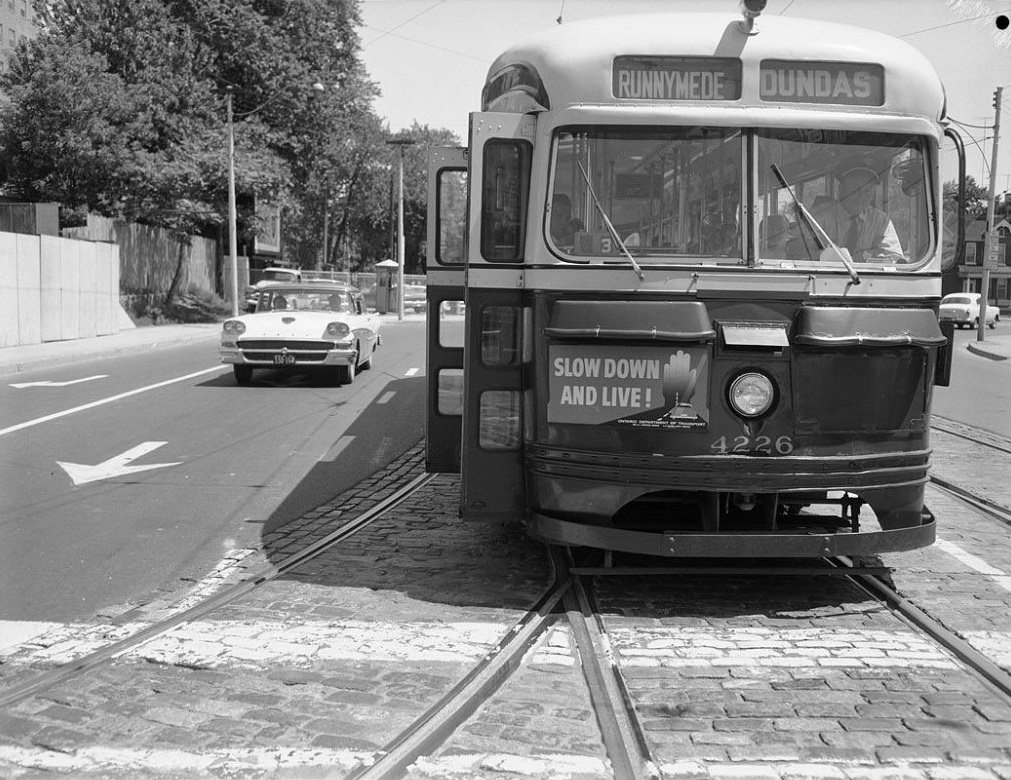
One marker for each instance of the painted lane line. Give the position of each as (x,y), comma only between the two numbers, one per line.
(116,466)
(386,397)
(109,400)
(975,563)
(52,383)
(411,371)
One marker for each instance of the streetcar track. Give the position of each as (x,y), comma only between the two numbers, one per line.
(623,738)
(996,677)
(438,723)
(971,433)
(982,504)
(226,595)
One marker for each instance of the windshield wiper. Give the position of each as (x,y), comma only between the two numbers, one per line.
(608,225)
(824,238)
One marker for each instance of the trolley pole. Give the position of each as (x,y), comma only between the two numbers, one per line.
(991,234)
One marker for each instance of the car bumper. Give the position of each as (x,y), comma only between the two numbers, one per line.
(281,358)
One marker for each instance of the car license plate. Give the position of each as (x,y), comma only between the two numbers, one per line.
(284,360)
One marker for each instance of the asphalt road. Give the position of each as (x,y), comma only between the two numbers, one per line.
(980,389)
(87,528)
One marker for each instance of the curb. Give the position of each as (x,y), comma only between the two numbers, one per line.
(985,352)
(64,354)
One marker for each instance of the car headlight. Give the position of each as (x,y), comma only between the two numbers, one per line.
(234,327)
(338,330)
(751,394)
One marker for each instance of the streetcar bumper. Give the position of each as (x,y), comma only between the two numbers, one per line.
(730,544)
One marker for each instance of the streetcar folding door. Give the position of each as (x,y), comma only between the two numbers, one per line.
(497,338)
(445,267)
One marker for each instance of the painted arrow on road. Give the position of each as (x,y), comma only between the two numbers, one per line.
(52,383)
(116,466)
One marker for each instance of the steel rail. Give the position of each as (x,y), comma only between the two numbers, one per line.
(41,682)
(986,506)
(438,723)
(624,740)
(971,433)
(993,675)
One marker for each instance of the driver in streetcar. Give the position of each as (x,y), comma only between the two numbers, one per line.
(852,222)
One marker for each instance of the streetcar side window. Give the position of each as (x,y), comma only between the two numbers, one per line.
(500,420)
(451,216)
(504,192)
(863,192)
(450,400)
(500,336)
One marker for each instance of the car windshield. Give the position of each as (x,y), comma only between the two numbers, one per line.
(957,299)
(277,276)
(302,299)
(676,194)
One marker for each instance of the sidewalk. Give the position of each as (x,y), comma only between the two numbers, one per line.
(996,343)
(17,360)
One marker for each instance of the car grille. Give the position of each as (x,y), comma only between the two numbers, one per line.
(278,345)
(263,350)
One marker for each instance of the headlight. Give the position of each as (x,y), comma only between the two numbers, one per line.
(751,394)
(234,327)
(337,330)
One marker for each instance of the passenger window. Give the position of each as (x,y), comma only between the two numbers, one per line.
(504,192)
(452,217)
(451,324)
(500,420)
(500,336)
(450,401)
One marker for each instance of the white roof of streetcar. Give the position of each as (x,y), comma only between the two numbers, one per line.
(573,63)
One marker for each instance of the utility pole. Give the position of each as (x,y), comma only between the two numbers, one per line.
(991,233)
(232,237)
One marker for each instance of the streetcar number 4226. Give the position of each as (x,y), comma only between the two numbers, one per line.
(766,445)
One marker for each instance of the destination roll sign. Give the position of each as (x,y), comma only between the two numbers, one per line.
(676,78)
(839,83)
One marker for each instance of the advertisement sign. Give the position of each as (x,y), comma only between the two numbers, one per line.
(676,78)
(836,83)
(268,235)
(643,387)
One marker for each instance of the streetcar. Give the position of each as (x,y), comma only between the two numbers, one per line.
(683,288)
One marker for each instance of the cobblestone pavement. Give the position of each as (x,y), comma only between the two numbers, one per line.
(310,674)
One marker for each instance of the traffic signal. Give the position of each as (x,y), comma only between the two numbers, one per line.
(996,98)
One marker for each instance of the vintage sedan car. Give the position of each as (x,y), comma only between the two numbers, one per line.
(963,309)
(266,276)
(302,326)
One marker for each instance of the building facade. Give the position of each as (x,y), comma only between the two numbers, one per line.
(17,23)
(970,272)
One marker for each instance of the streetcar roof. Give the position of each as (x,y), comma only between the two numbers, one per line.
(571,64)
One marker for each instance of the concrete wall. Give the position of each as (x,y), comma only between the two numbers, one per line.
(53,289)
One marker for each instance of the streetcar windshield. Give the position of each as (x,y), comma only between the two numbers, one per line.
(676,194)
(862,192)
(666,191)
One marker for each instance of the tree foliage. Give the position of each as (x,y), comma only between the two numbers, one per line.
(976,198)
(118,107)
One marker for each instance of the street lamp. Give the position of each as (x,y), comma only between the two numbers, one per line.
(401,142)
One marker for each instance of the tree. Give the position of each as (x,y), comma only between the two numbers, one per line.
(976,198)
(118,107)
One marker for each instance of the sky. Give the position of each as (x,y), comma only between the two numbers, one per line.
(430,58)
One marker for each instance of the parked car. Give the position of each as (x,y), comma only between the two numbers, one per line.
(963,309)
(266,276)
(304,326)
